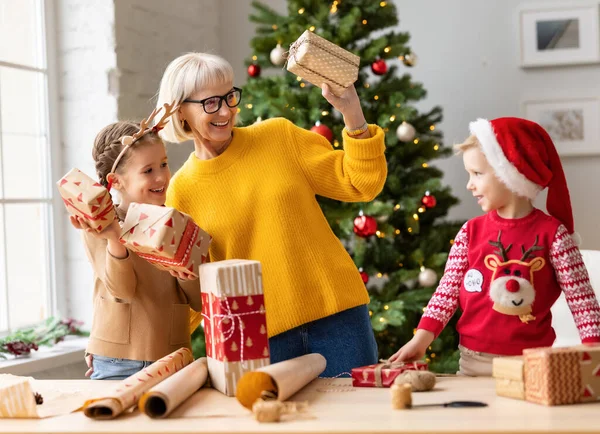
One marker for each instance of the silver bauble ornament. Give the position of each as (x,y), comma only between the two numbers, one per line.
(277,55)
(406,132)
(410,59)
(427,277)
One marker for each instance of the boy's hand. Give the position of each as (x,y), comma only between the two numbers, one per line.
(415,348)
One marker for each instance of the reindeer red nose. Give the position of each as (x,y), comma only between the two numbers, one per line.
(512,285)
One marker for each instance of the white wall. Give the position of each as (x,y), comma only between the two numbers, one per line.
(469,63)
(88,101)
(111,56)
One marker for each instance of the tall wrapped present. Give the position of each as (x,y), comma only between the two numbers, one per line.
(509,375)
(319,61)
(165,237)
(556,376)
(235,323)
(383,374)
(87,199)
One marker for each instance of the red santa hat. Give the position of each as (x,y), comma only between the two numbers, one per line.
(525,160)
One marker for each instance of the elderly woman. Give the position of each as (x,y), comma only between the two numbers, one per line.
(254,190)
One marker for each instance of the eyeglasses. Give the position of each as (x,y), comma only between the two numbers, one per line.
(213,104)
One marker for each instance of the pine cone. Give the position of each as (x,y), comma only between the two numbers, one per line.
(39,400)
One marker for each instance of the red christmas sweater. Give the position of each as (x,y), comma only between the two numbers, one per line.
(506,274)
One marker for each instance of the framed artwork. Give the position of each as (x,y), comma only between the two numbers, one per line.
(559,34)
(573,124)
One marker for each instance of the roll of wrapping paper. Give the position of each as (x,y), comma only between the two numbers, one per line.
(280,380)
(165,397)
(128,391)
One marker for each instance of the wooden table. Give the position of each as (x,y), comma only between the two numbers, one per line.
(334,407)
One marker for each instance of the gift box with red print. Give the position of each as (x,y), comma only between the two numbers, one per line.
(87,199)
(235,324)
(557,376)
(165,237)
(383,374)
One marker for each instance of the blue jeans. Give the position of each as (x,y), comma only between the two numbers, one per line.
(345,339)
(109,368)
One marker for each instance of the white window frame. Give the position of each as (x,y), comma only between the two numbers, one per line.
(55,297)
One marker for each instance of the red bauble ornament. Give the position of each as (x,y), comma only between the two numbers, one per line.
(379,67)
(429,201)
(323,130)
(254,70)
(365,277)
(365,226)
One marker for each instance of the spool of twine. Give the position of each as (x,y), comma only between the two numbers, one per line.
(253,386)
(401,396)
(419,381)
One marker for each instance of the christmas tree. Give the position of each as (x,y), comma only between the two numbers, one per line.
(399,241)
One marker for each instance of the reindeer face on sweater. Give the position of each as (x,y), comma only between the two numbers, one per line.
(512,289)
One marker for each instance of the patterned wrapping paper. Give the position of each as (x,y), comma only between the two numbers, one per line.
(86,198)
(509,375)
(557,376)
(129,391)
(165,237)
(319,61)
(235,323)
(383,374)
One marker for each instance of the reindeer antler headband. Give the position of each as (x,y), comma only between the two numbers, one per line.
(128,141)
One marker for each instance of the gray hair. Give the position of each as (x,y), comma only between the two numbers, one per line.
(185,76)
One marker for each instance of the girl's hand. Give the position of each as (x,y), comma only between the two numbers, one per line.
(183,276)
(348,104)
(89,361)
(112,232)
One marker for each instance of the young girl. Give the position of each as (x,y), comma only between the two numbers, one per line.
(508,267)
(140,312)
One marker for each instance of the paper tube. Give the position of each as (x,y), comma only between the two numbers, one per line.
(282,379)
(128,391)
(162,399)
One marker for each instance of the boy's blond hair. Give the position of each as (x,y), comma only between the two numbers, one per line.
(471,142)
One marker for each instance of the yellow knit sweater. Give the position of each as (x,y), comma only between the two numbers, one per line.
(257,200)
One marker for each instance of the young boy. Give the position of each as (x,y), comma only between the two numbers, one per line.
(508,267)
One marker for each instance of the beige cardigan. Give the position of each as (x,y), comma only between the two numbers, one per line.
(140,312)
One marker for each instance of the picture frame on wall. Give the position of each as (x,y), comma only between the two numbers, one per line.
(555,34)
(573,124)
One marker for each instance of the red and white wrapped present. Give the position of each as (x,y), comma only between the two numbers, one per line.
(87,199)
(383,374)
(235,323)
(165,237)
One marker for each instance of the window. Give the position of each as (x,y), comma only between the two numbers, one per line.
(27,250)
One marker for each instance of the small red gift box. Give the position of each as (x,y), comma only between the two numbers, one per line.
(383,374)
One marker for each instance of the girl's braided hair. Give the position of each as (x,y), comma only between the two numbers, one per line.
(108,146)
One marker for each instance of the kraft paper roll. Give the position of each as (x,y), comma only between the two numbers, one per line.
(162,399)
(280,380)
(129,391)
